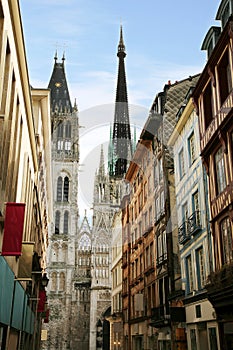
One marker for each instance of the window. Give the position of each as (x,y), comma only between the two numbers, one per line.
(162,209)
(66,189)
(160,168)
(198,311)
(220,171)
(150,216)
(59,145)
(141,264)
(185,212)
(181,163)
(225,15)
(164,244)
(59,189)
(66,222)
(213,338)
(189,269)
(68,130)
(196,209)
(200,268)
(60,130)
(145,221)
(157,207)
(193,339)
(192,149)
(155,174)
(67,146)
(145,191)
(140,201)
(62,282)
(225,78)
(54,282)
(226,240)
(161,247)
(57,222)
(149,185)
(151,254)
(208,105)
(136,234)
(140,229)
(135,210)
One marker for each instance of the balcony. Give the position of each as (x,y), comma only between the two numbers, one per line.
(183,233)
(189,227)
(220,118)
(160,316)
(162,259)
(194,222)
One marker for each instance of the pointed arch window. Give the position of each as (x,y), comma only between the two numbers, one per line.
(68,130)
(60,130)
(57,222)
(66,222)
(62,282)
(66,189)
(59,189)
(54,282)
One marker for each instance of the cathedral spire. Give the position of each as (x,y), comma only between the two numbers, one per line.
(121,46)
(121,128)
(101,166)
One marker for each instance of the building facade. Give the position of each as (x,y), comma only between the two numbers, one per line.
(213,101)
(193,219)
(25,190)
(138,250)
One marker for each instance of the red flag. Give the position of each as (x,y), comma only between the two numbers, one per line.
(42,300)
(46,319)
(13,229)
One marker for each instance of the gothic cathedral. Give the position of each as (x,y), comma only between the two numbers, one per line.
(79,257)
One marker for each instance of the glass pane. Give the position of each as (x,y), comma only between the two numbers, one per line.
(193,339)
(213,338)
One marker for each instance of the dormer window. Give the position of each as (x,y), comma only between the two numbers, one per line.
(224,12)
(211,39)
(225,15)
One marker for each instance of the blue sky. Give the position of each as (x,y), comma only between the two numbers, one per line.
(162,38)
(163,42)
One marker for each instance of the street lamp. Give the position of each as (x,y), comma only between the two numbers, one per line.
(44,280)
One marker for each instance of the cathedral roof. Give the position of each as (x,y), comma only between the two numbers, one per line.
(60,98)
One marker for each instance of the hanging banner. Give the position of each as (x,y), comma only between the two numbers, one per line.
(25,261)
(46,319)
(13,229)
(42,300)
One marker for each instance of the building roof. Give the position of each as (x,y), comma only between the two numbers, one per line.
(60,98)
(175,97)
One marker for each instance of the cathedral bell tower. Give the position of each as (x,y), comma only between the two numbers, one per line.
(64,232)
